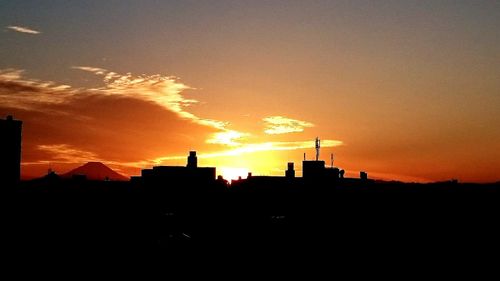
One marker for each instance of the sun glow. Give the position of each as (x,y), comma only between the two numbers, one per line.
(233,173)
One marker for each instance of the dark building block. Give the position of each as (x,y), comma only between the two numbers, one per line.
(313,169)
(10,150)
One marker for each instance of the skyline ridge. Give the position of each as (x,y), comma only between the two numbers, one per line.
(96,170)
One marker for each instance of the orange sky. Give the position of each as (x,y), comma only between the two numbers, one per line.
(134,122)
(405,91)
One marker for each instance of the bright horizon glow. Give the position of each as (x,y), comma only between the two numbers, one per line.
(230,173)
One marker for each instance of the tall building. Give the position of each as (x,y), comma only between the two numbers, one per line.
(10,150)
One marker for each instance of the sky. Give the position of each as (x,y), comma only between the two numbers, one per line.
(404,90)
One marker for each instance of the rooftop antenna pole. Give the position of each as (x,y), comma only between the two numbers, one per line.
(304,156)
(331,157)
(317,148)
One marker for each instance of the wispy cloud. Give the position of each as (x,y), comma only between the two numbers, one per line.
(257,147)
(228,137)
(65,153)
(166,91)
(96,70)
(31,94)
(23,29)
(282,125)
(69,154)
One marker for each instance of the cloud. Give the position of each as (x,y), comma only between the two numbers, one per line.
(65,153)
(69,154)
(166,91)
(96,70)
(257,147)
(228,137)
(23,29)
(31,94)
(282,125)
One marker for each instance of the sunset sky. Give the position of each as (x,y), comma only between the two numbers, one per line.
(404,90)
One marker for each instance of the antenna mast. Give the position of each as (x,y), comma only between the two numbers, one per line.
(317,148)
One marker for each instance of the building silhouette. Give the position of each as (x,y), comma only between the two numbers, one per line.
(332,173)
(290,172)
(363,175)
(180,174)
(313,169)
(179,178)
(10,150)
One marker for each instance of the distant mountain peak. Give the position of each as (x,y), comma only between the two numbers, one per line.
(95,171)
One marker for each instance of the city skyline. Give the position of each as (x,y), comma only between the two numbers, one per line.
(405,90)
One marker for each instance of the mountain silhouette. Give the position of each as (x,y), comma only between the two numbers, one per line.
(95,171)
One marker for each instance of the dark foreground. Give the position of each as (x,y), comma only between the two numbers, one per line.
(361,222)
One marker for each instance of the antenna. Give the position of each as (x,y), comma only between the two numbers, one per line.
(304,156)
(331,157)
(317,148)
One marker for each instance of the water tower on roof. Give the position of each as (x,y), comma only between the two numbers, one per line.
(192,160)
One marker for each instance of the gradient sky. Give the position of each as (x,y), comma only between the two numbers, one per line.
(406,90)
